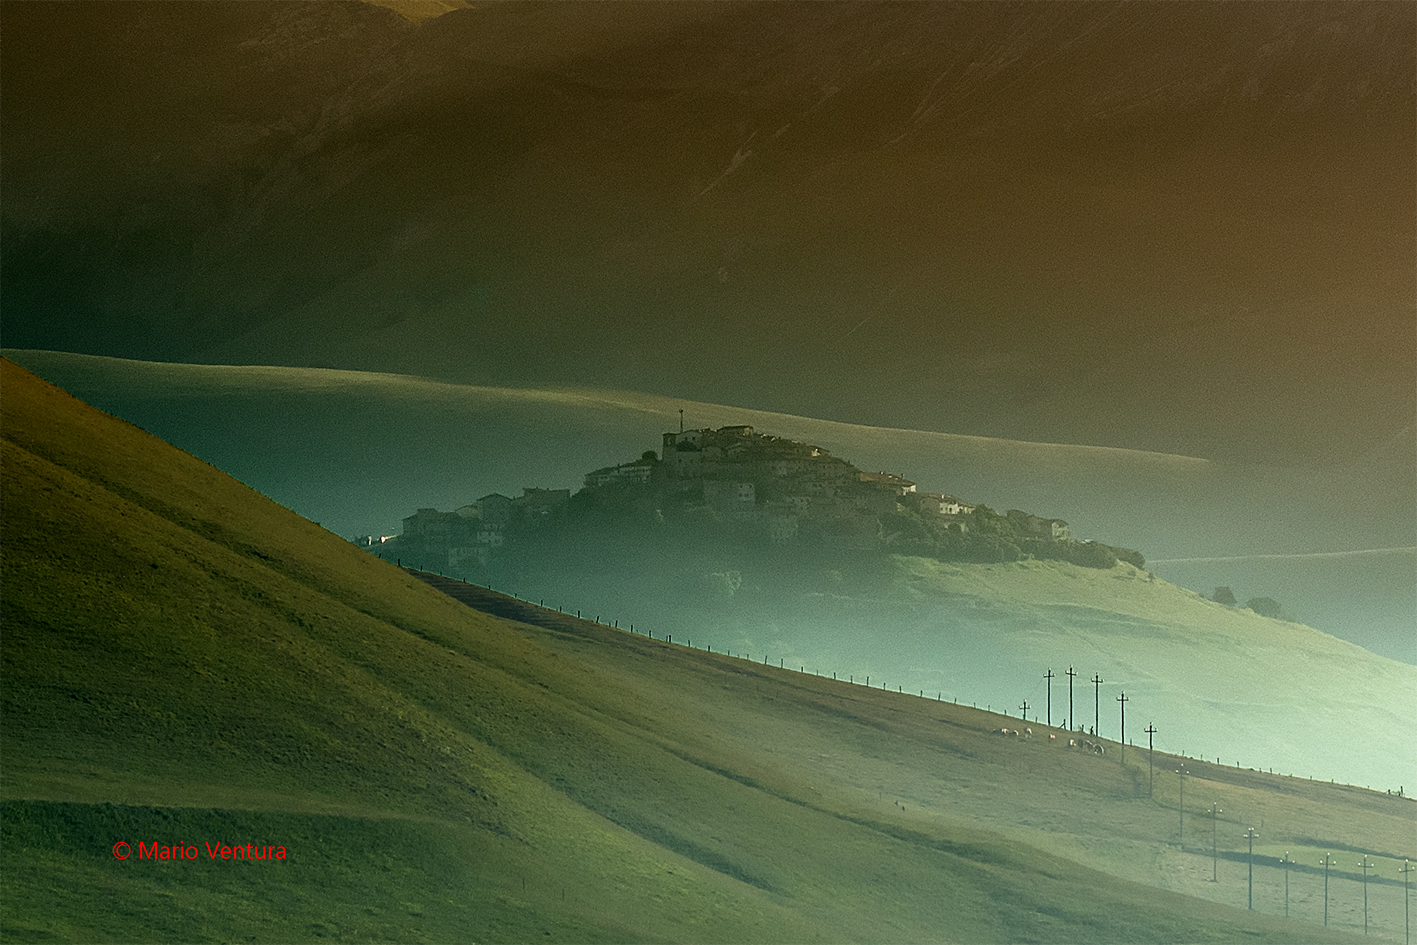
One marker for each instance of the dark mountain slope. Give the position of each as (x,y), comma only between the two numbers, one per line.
(1160,227)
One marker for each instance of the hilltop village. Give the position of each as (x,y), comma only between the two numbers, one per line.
(756,487)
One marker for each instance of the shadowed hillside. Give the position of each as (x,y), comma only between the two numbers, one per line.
(1181,228)
(185,661)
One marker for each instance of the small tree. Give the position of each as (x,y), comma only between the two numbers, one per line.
(1224,595)
(1133,557)
(1265,607)
(1090,554)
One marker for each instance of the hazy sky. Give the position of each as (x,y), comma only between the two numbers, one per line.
(1185,227)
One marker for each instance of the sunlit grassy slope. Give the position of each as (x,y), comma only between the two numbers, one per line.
(185,661)
(1218,681)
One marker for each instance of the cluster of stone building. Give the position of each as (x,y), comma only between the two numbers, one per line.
(779,488)
(471,533)
(785,486)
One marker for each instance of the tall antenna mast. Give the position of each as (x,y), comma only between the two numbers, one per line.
(681,419)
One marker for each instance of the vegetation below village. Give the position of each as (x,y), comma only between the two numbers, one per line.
(187,661)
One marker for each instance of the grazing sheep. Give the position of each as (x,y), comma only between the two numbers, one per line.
(1099,749)
(1052,738)
(1003,731)
(1028,731)
(1072,743)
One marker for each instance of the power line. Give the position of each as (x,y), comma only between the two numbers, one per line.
(1096,702)
(1049,676)
(1252,834)
(1406,892)
(1326,862)
(1214,812)
(1124,700)
(1286,861)
(1366,866)
(1181,805)
(1150,775)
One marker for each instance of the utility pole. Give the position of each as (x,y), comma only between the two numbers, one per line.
(1049,676)
(1214,810)
(1181,807)
(1150,731)
(1124,700)
(1071,717)
(1326,862)
(1252,835)
(1096,702)
(1286,861)
(1023,711)
(681,419)
(1366,867)
(1406,892)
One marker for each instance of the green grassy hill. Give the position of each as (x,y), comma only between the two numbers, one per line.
(1218,682)
(187,662)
